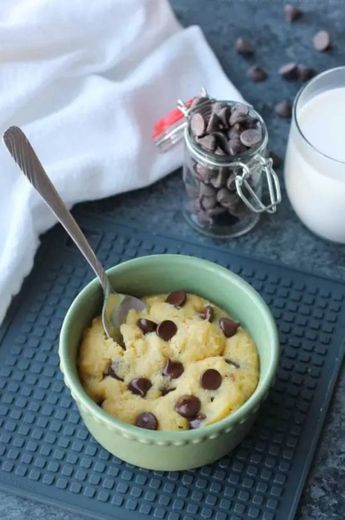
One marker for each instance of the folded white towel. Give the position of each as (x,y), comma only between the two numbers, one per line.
(86,80)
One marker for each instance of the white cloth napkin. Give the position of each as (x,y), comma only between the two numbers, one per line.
(86,80)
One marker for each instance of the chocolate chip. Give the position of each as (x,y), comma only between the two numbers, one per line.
(208,143)
(207,191)
(197,124)
(197,422)
(225,198)
(251,137)
(244,46)
(211,379)
(208,202)
(166,391)
(204,218)
(233,363)
(292,12)
(166,330)
(217,210)
(222,141)
(228,326)
(220,180)
(305,73)
(207,313)
(251,122)
(234,132)
(146,326)
(289,71)
(173,369)
(213,124)
(219,151)
(231,182)
(140,386)
(237,117)
(236,147)
(283,109)
(217,107)
(111,370)
(224,116)
(241,108)
(147,420)
(199,100)
(177,298)
(256,73)
(188,406)
(240,210)
(204,173)
(322,41)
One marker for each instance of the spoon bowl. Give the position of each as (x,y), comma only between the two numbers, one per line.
(114,312)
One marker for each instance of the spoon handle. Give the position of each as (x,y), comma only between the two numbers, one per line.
(27,160)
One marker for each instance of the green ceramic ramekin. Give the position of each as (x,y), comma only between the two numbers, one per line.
(161,274)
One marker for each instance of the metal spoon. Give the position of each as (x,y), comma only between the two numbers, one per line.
(115,305)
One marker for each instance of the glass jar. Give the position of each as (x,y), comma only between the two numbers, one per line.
(223,196)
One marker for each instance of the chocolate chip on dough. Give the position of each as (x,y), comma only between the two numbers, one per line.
(207,313)
(140,386)
(146,326)
(228,326)
(111,371)
(197,422)
(147,420)
(211,379)
(188,406)
(177,298)
(166,330)
(173,369)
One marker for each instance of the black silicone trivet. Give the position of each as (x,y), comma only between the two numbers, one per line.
(47,454)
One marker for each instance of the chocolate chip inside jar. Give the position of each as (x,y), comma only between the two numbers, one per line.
(221,133)
(186,364)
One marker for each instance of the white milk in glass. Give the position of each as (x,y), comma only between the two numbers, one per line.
(315,162)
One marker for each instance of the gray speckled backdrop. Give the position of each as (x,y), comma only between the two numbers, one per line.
(280,237)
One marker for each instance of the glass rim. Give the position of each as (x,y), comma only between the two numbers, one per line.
(220,160)
(295,108)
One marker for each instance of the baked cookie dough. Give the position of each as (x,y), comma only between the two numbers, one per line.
(185,364)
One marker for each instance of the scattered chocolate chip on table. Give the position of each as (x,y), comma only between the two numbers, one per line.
(283,108)
(292,13)
(289,71)
(243,46)
(322,41)
(305,73)
(256,73)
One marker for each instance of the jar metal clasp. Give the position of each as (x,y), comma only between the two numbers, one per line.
(248,194)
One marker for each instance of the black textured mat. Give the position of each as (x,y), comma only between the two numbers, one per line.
(46,453)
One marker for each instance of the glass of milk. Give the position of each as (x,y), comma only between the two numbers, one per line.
(315,159)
